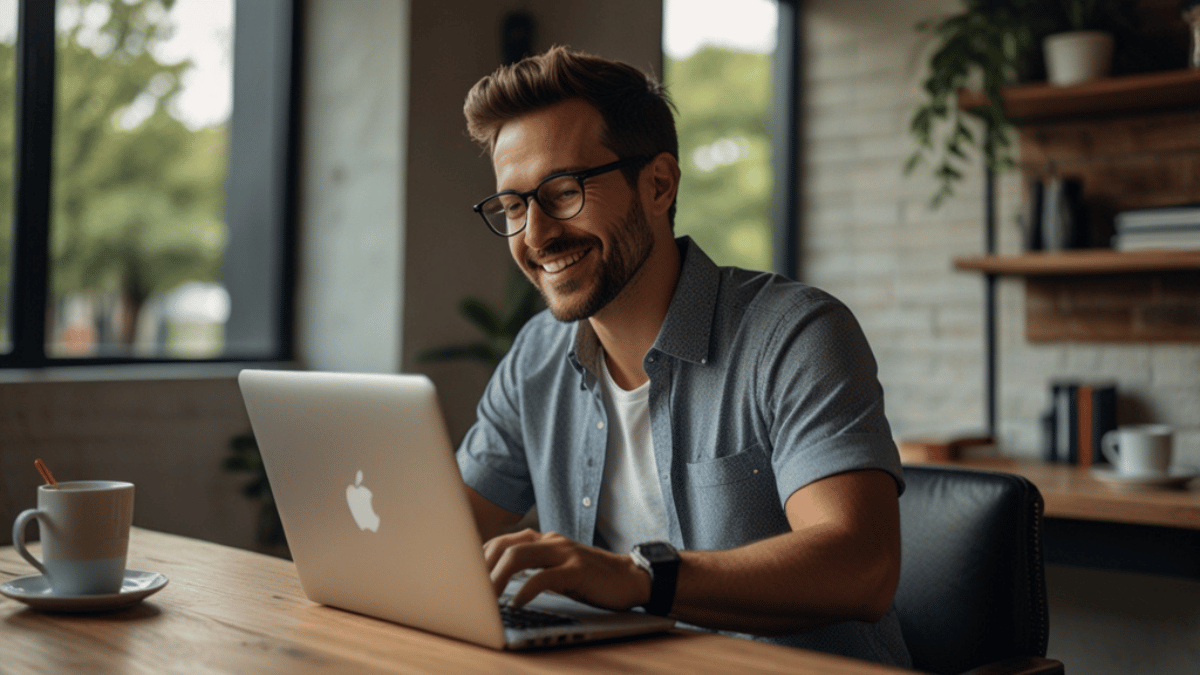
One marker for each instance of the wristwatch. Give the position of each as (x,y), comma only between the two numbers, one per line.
(661,562)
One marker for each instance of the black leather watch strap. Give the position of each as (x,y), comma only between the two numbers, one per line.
(661,560)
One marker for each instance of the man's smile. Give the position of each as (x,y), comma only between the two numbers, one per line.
(561,263)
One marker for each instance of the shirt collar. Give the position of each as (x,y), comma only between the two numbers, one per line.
(686,332)
(687,329)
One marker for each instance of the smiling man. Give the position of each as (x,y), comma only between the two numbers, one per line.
(700,441)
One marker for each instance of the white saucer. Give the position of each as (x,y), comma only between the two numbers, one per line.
(35,591)
(1175,477)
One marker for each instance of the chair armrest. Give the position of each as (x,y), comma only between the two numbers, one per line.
(1022,665)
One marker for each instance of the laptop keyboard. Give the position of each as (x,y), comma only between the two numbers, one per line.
(522,617)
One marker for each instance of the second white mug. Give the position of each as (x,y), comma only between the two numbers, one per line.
(1139,450)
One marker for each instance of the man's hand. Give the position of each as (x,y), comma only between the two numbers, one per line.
(584,573)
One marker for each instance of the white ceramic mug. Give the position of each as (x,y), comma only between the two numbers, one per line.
(1139,450)
(84,527)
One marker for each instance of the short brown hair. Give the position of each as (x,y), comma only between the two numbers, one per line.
(636,109)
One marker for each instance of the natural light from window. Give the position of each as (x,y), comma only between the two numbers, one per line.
(141,140)
(718,63)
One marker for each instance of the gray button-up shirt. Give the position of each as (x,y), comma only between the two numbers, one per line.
(758,386)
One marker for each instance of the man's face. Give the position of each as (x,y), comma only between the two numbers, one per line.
(582,263)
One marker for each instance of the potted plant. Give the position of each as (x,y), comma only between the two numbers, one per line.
(988,45)
(499,326)
(1083,52)
(244,457)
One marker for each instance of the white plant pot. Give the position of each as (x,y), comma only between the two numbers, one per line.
(1077,57)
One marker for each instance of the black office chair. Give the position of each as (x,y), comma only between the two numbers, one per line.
(972,594)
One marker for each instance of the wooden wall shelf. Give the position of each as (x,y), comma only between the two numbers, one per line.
(1081,262)
(1132,142)
(1039,101)
(1103,295)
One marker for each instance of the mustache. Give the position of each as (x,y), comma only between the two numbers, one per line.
(558,246)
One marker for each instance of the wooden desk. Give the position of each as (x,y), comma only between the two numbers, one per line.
(227,610)
(1071,492)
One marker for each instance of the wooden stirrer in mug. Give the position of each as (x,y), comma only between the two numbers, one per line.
(41,467)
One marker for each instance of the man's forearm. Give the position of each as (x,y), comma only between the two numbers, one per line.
(841,562)
(783,585)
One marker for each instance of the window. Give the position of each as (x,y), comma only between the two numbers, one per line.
(730,69)
(8,90)
(150,210)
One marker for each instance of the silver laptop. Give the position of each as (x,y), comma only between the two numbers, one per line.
(377,517)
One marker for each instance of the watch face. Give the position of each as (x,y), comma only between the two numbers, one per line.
(657,552)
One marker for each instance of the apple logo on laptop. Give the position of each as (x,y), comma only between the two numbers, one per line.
(359,499)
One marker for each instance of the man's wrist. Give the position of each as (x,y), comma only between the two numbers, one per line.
(661,561)
(644,582)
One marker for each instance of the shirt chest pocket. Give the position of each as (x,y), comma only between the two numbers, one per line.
(730,469)
(732,501)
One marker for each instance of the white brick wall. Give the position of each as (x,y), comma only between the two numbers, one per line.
(870,239)
(868,236)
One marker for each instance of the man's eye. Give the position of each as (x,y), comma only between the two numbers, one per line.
(510,206)
(563,189)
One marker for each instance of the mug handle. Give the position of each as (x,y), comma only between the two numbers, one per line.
(19,538)
(1108,447)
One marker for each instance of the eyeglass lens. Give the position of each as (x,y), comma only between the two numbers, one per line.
(560,197)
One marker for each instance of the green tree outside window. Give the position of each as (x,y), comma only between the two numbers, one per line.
(724,102)
(138,197)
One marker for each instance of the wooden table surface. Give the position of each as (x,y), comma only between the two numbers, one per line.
(1071,492)
(227,610)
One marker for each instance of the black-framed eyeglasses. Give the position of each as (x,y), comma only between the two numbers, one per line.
(559,196)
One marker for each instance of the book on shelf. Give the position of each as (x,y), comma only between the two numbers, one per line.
(1096,405)
(1032,219)
(1080,413)
(1176,238)
(1162,217)
(1062,215)
(1063,426)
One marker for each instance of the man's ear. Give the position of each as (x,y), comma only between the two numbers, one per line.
(663,175)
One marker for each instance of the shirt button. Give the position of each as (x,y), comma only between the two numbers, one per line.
(587,501)
(599,425)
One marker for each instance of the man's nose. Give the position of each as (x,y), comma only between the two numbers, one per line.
(540,229)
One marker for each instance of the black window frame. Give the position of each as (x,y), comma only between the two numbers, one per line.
(786,223)
(261,187)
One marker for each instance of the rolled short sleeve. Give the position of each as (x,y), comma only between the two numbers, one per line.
(491,456)
(819,379)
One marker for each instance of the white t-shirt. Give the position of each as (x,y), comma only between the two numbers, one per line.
(630,509)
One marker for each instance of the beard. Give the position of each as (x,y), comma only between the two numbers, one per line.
(632,244)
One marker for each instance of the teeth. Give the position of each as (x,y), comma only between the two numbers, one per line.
(563,263)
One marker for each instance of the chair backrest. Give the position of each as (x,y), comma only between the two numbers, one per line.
(972,582)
